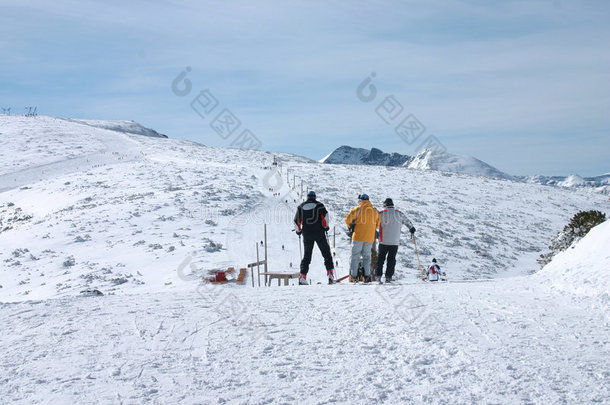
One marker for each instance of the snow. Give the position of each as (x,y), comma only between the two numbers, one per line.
(582,269)
(122,126)
(429,159)
(572,181)
(496,342)
(599,184)
(346,155)
(144,218)
(358,156)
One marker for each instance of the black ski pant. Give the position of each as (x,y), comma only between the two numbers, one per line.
(390,252)
(308,243)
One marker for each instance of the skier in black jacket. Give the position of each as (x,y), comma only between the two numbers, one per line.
(310,220)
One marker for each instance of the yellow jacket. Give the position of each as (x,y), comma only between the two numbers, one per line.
(367,222)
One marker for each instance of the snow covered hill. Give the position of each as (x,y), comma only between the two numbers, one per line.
(130,127)
(425,160)
(358,156)
(600,184)
(583,268)
(143,219)
(87,207)
(435,160)
(446,162)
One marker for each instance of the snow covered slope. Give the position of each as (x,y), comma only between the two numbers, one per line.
(447,162)
(600,184)
(425,160)
(501,342)
(358,156)
(120,212)
(435,160)
(143,219)
(130,127)
(583,268)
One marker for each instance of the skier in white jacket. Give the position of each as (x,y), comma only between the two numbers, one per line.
(389,237)
(434,271)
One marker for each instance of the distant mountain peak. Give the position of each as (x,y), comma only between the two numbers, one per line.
(429,159)
(359,156)
(426,159)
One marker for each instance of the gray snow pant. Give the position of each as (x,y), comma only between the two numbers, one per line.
(360,249)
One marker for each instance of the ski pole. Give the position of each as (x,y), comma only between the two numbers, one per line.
(300,249)
(421,272)
(327,239)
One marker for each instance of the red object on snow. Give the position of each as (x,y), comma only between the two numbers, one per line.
(221,276)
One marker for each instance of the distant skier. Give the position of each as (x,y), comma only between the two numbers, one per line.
(434,271)
(389,238)
(364,219)
(310,220)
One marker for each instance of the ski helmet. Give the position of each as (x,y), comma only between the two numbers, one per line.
(388,202)
(363,197)
(311,195)
(433,260)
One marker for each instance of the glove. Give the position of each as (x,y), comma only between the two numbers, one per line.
(299,233)
(326,229)
(412,230)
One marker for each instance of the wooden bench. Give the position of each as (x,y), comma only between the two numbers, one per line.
(279,276)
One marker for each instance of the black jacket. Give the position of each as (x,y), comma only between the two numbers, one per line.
(311,218)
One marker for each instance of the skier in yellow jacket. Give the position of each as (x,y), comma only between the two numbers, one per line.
(366,221)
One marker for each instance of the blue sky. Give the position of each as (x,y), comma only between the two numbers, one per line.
(522,85)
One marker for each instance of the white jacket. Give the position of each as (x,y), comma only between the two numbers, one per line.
(433,275)
(390,224)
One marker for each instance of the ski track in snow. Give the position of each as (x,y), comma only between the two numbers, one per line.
(492,342)
(125,220)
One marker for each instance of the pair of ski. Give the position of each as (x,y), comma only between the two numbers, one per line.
(360,282)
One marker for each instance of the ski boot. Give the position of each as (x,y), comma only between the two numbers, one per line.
(303,279)
(331,276)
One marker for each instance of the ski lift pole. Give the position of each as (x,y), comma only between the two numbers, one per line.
(421,272)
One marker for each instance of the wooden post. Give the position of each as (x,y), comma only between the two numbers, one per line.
(266,259)
(258,266)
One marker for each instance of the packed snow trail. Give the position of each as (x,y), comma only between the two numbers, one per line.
(108,147)
(276,209)
(498,342)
